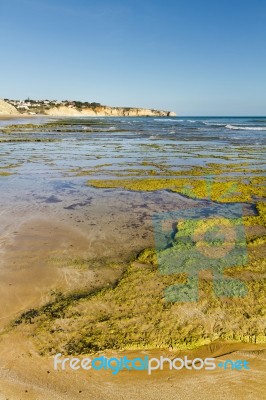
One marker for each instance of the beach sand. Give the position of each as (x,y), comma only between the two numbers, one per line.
(25,375)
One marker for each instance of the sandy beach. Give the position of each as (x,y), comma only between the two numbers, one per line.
(25,375)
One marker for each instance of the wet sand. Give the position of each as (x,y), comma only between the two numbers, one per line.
(111,228)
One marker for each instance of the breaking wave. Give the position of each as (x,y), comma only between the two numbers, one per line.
(246,128)
(213,124)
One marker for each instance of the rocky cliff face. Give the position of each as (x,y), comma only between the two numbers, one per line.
(73,110)
(66,111)
(7,109)
(108,111)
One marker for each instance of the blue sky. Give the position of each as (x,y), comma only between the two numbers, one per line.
(196,57)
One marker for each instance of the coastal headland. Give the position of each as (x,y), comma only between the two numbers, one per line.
(74,108)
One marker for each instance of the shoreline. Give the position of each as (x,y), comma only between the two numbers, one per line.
(56,116)
(78,109)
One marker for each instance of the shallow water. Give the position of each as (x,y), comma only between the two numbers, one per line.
(44,177)
(127,142)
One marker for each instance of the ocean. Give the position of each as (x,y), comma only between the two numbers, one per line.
(39,151)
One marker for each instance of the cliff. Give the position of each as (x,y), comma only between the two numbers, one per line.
(108,111)
(7,109)
(74,108)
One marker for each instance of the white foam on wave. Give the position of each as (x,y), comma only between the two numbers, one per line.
(246,128)
(167,119)
(213,124)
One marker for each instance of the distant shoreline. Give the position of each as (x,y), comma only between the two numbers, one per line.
(74,108)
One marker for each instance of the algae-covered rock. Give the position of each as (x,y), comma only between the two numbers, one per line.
(148,256)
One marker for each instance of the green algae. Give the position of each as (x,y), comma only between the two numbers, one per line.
(148,256)
(224,191)
(260,219)
(5,173)
(119,318)
(22,140)
(52,126)
(201,182)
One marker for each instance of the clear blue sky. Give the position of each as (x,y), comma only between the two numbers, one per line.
(196,57)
